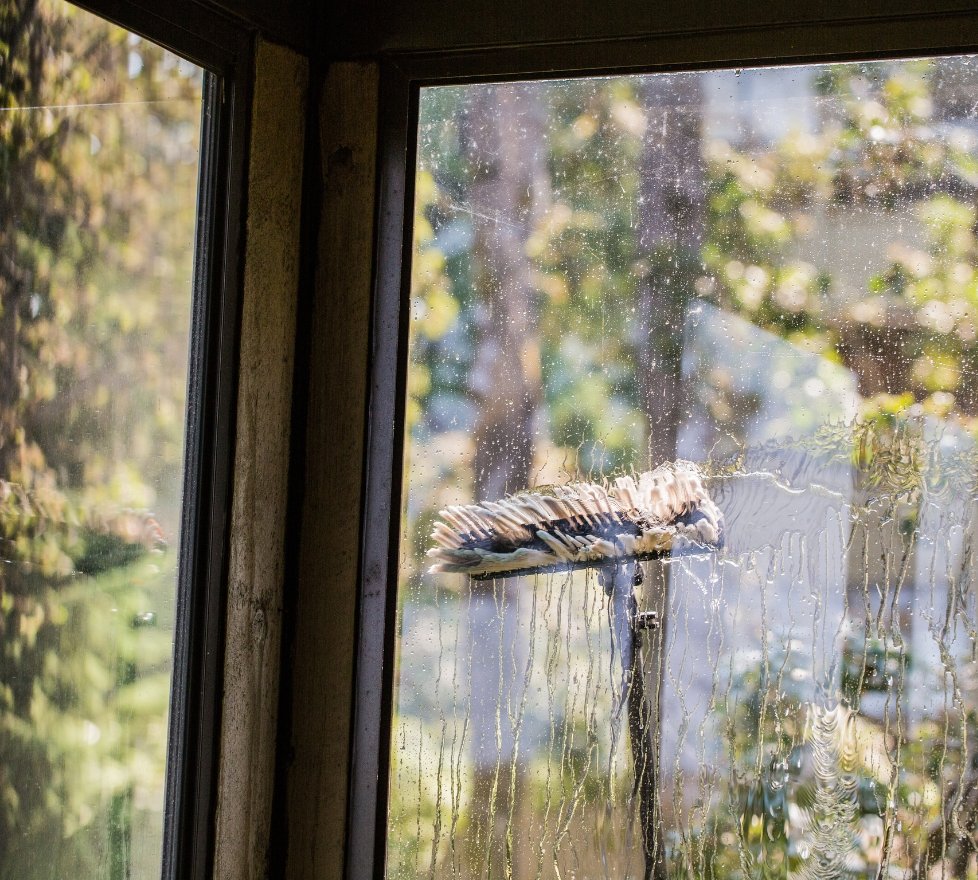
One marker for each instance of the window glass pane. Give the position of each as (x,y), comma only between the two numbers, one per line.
(99,149)
(771,275)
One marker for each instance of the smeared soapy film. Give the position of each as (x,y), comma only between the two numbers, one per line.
(840,629)
(815,685)
(832,816)
(661,511)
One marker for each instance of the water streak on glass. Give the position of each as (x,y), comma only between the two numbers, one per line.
(773,274)
(99,149)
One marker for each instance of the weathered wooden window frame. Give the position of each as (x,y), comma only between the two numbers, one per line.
(402,76)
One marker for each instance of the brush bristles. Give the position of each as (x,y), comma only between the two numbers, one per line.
(664,510)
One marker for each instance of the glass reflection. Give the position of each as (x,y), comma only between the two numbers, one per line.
(99,143)
(772,274)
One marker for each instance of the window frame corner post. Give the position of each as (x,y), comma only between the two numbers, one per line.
(193,742)
(372,711)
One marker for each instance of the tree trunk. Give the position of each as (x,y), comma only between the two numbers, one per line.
(506,148)
(670,236)
(22,38)
(507,151)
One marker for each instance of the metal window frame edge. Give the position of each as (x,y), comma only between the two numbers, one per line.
(403,75)
(382,473)
(198,668)
(225,50)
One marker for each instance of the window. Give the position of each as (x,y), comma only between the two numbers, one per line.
(770,273)
(110,326)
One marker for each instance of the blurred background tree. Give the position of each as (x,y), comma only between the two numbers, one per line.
(850,237)
(98,161)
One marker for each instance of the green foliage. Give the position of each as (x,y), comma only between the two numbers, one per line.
(98,162)
(878,151)
(83,723)
(908,335)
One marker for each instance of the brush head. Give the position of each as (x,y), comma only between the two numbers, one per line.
(657,513)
